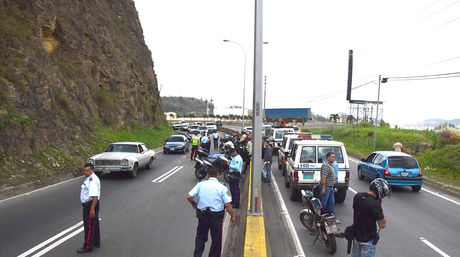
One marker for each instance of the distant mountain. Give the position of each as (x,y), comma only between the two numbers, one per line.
(436,122)
(185,105)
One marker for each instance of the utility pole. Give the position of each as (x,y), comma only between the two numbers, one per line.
(265,94)
(256,183)
(377,115)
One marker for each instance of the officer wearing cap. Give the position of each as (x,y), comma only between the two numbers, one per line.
(89,196)
(212,201)
(236,165)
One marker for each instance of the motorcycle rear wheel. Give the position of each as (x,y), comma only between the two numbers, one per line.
(200,173)
(331,244)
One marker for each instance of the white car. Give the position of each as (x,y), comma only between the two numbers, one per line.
(126,157)
(211,126)
(277,133)
(304,164)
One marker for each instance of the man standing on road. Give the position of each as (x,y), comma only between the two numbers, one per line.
(268,154)
(212,199)
(89,197)
(367,211)
(215,136)
(205,142)
(248,153)
(398,146)
(235,167)
(195,143)
(327,184)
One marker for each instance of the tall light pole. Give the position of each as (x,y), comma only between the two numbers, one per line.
(244,73)
(377,116)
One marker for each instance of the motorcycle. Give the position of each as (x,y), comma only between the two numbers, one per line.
(222,146)
(203,163)
(319,221)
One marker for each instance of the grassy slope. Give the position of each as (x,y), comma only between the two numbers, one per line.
(53,161)
(439,163)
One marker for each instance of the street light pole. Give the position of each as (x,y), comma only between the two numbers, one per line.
(377,115)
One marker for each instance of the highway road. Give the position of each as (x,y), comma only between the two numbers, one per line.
(138,217)
(418,224)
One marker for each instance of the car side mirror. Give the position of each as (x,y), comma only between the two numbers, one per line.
(363,160)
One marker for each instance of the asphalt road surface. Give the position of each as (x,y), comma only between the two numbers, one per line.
(418,224)
(138,217)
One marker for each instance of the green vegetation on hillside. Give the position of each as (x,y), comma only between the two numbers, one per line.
(438,154)
(55,161)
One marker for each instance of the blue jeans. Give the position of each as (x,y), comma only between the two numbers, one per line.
(363,249)
(268,169)
(327,200)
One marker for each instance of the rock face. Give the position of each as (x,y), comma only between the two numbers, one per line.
(68,66)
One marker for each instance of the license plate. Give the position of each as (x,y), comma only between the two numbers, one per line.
(404,174)
(106,171)
(331,229)
(308,176)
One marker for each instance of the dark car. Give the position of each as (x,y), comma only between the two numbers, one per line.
(218,123)
(176,144)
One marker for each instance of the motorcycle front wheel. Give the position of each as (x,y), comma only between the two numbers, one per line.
(308,220)
(200,172)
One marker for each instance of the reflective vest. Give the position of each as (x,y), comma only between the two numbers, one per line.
(195,140)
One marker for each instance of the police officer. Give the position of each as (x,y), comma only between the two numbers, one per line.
(236,165)
(215,136)
(195,143)
(212,200)
(89,197)
(205,142)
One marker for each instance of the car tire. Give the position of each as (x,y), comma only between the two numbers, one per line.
(286,182)
(340,195)
(293,193)
(280,166)
(360,174)
(133,173)
(416,188)
(149,165)
(165,152)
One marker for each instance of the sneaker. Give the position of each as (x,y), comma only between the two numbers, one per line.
(83,250)
(337,221)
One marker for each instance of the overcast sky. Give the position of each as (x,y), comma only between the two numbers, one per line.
(307,53)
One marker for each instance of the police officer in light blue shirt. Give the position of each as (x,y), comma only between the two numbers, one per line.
(206,143)
(212,199)
(235,167)
(215,136)
(89,196)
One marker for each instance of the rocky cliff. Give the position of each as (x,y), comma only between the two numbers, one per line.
(67,67)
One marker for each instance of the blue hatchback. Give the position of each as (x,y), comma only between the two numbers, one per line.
(397,168)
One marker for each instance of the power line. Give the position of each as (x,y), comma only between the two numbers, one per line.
(410,79)
(428,6)
(339,92)
(426,76)
(448,22)
(438,11)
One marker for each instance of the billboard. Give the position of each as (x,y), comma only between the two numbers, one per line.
(288,113)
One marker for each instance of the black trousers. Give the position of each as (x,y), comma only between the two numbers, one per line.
(91,225)
(205,224)
(216,143)
(194,148)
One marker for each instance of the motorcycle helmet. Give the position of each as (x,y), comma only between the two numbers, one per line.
(249,137)
(380,187)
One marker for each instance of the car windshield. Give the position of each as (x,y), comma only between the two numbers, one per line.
(323,150)
(203,128)
(122,148)
(210,124)
(176,139)
(194,132)
(193,127)
(405,162)
(291,143)
(280,133)
(308,154)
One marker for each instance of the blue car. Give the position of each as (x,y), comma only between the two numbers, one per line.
(397,168)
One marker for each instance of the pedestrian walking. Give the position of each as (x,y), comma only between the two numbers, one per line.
(212,201)
(398,146)
(195,143)
(215,137)
(268,154)
(367,211)
(327,184)
(235,167)
(89,196)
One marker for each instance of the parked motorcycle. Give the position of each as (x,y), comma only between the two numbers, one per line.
(203,163)
(319,221)
(222,146)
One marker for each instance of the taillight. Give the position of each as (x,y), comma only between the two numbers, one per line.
(420,172)
(296,176)
(347,176)
(386,172)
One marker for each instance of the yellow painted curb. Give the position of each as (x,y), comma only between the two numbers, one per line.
(254,242)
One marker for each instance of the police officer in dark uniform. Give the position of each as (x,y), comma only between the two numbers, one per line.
(213,200)
(89,197)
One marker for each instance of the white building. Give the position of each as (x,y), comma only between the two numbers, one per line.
(235,110)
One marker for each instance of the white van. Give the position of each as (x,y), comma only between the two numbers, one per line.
(277,133)
(304,163)
(286,146)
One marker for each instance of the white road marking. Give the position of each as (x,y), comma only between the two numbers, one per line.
(167,174)
(159,151)
(352,190)
(441,196)
(39,246)
(287,217)
(57,243)
(432,246)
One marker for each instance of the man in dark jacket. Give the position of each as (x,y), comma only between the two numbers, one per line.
(268,154)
